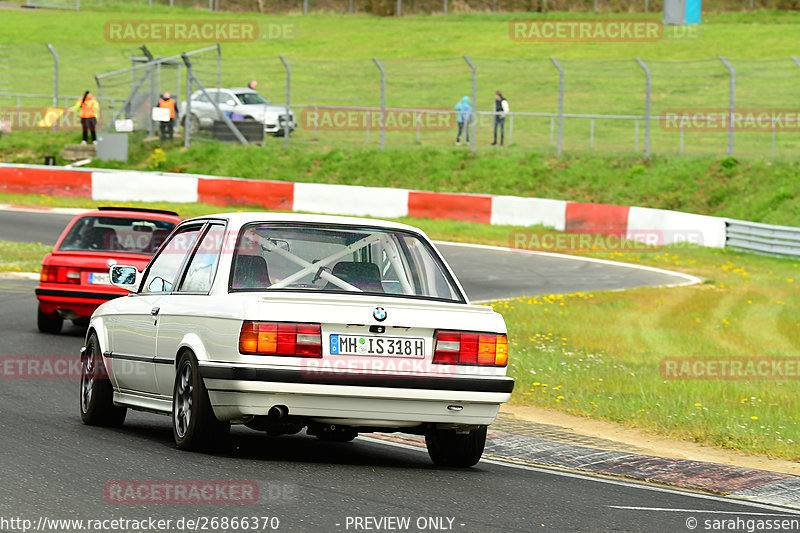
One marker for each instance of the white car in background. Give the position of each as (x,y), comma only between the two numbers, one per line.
(283,321)
(238,104)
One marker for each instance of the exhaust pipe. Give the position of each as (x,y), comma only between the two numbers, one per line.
(278,412)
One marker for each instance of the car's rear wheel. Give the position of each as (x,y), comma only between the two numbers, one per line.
(448,448)
(48,322)
(194,425)
(97,394)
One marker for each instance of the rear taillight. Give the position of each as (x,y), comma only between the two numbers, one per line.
(280,338)
(54,274)
(467,348)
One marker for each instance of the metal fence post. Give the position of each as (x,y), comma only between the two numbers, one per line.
(474,116)
(55,80)
(151,125)
(219,66)
(445,7)
(351,7)
(648,92)
(399,8)
(595,6)
(288,97)
(383,100)
(305,7)
(560,105)
(187,117)
(732,104)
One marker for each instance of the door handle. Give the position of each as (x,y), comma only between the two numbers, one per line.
(154,311)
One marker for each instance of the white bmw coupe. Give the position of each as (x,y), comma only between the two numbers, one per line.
(283,322)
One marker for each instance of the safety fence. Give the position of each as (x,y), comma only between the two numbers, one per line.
(413,7)
(715,106)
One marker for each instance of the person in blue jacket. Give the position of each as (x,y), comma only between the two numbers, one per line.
(464,117)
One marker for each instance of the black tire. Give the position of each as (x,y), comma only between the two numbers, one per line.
(194,426)
(96,393)
(48,322)
(335,434)
(448,448)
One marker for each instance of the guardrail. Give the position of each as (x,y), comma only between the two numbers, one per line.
(762,238)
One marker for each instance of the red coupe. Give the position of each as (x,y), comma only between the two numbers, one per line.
(74,278)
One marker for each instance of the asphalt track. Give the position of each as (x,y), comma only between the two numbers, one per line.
(485,273)
(53,466)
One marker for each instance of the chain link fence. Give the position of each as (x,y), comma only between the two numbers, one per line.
(415,7)
(559,104)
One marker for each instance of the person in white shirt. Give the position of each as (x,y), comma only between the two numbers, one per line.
(500,112)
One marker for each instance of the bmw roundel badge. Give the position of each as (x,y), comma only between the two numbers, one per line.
(380,314)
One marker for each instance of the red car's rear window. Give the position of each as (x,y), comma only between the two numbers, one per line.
(116,234)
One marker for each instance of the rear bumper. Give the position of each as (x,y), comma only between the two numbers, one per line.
(83,303)
(357,400)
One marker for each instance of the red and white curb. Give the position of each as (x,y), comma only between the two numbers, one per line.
(574,217)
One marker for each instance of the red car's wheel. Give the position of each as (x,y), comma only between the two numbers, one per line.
(48,322)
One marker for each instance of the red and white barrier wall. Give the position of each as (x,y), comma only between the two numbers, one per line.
(575,217)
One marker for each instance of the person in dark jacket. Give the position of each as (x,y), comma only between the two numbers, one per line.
(500,112)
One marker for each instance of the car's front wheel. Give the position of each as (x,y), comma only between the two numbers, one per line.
(97,394)
(448,448)
(48,322)
(194,425)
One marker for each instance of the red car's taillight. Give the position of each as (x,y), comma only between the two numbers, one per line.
(280,338)
(54,274)
(467,348)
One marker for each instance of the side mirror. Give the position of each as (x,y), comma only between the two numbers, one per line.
(125,277)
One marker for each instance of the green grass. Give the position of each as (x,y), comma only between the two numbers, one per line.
(331,58)
(22,256)
(750,189)
(598,354)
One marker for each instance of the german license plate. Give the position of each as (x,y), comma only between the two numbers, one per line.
(99,278)
(379,346)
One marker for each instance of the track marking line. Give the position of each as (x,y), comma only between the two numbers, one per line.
(608,481)
(689,279)
(708,511)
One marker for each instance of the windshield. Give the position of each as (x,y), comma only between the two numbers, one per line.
(251,98)
(117,234)
(339,259)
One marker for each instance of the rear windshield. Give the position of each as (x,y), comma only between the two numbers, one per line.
(116,234)
(339,259)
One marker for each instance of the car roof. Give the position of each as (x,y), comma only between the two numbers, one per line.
(241,218)
(129,213)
